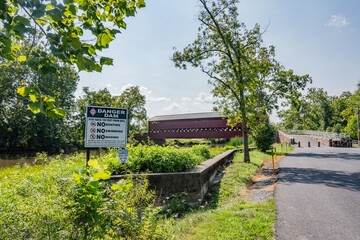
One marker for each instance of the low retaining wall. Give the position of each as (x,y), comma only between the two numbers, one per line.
(323,140)
(283,137)
(195,183)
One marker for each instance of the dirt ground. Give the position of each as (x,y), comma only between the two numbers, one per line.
(262,184)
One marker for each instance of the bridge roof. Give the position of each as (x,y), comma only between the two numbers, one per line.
(186,116)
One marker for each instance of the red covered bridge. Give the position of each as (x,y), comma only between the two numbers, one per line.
(192,125)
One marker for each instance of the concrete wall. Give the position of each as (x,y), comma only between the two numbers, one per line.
(195,183)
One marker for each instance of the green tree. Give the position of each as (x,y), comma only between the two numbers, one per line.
(245,76)
(264,136)
(132,99)
(74,32)
(90,98)
(23,130)
(351,113)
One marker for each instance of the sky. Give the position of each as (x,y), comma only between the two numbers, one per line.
(316,37)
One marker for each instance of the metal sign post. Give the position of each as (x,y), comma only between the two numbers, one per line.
(105,127)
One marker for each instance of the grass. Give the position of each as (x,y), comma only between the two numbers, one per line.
(230,214)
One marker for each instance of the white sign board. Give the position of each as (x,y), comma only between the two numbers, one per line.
(105,127)
(123,155)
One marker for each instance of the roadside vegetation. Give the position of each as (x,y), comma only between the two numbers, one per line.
(228,213)
(59,199)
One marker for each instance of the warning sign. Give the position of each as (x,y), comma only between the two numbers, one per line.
(105,127)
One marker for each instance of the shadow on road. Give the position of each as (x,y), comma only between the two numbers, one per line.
(335,179)
(342,156)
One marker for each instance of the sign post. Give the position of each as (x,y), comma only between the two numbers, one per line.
(105,127)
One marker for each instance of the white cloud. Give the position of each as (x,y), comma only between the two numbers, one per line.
(147,93)
(186,99)
(337,21)
(205,98)
(172,107)
(108,85)
(202,103)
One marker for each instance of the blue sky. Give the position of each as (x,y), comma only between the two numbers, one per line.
(316,37)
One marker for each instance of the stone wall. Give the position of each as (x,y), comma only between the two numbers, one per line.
(195,183)
(283,137)
(323,140)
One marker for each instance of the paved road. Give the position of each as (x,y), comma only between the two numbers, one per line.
(318,194)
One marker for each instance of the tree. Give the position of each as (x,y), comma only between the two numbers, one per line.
(101,97)
(74,32)
(134,101)
(21,129)
(245,76)
(351,113)
(264,136)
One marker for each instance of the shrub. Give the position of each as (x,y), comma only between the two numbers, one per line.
(202,151)
(235,142)
(160,159)
(264,136)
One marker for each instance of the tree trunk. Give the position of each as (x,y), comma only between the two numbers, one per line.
(244,127)
(246,140)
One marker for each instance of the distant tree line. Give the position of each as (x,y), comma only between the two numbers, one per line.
(319,111)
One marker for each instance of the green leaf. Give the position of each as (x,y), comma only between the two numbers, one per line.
(32,97)
(102,175)
(48,99)
(104,39)
(59,112)
(22,20)
(76,44)
(23,91)
(49,7)
(94,164)
(37,13)
(21,58)
(140,3)
(115,187)
(78,178)
(106,61)
(36,107)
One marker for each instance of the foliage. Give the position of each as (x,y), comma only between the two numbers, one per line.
(264,136)
(65,27)
(134,101)
(51,202)
(99,210)
(246,78)
(160,159)
(319,111)
(201,150)
(235,142)
(32,200)
(23,130)
(177,205)
(229,214)
(187,142)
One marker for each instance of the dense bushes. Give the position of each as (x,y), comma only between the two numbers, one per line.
(264,136)
(160,159)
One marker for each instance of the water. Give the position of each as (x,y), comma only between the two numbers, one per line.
(12,160)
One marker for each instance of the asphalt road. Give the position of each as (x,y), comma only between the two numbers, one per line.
(318,194)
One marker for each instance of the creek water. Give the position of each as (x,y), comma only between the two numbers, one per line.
(8,161)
